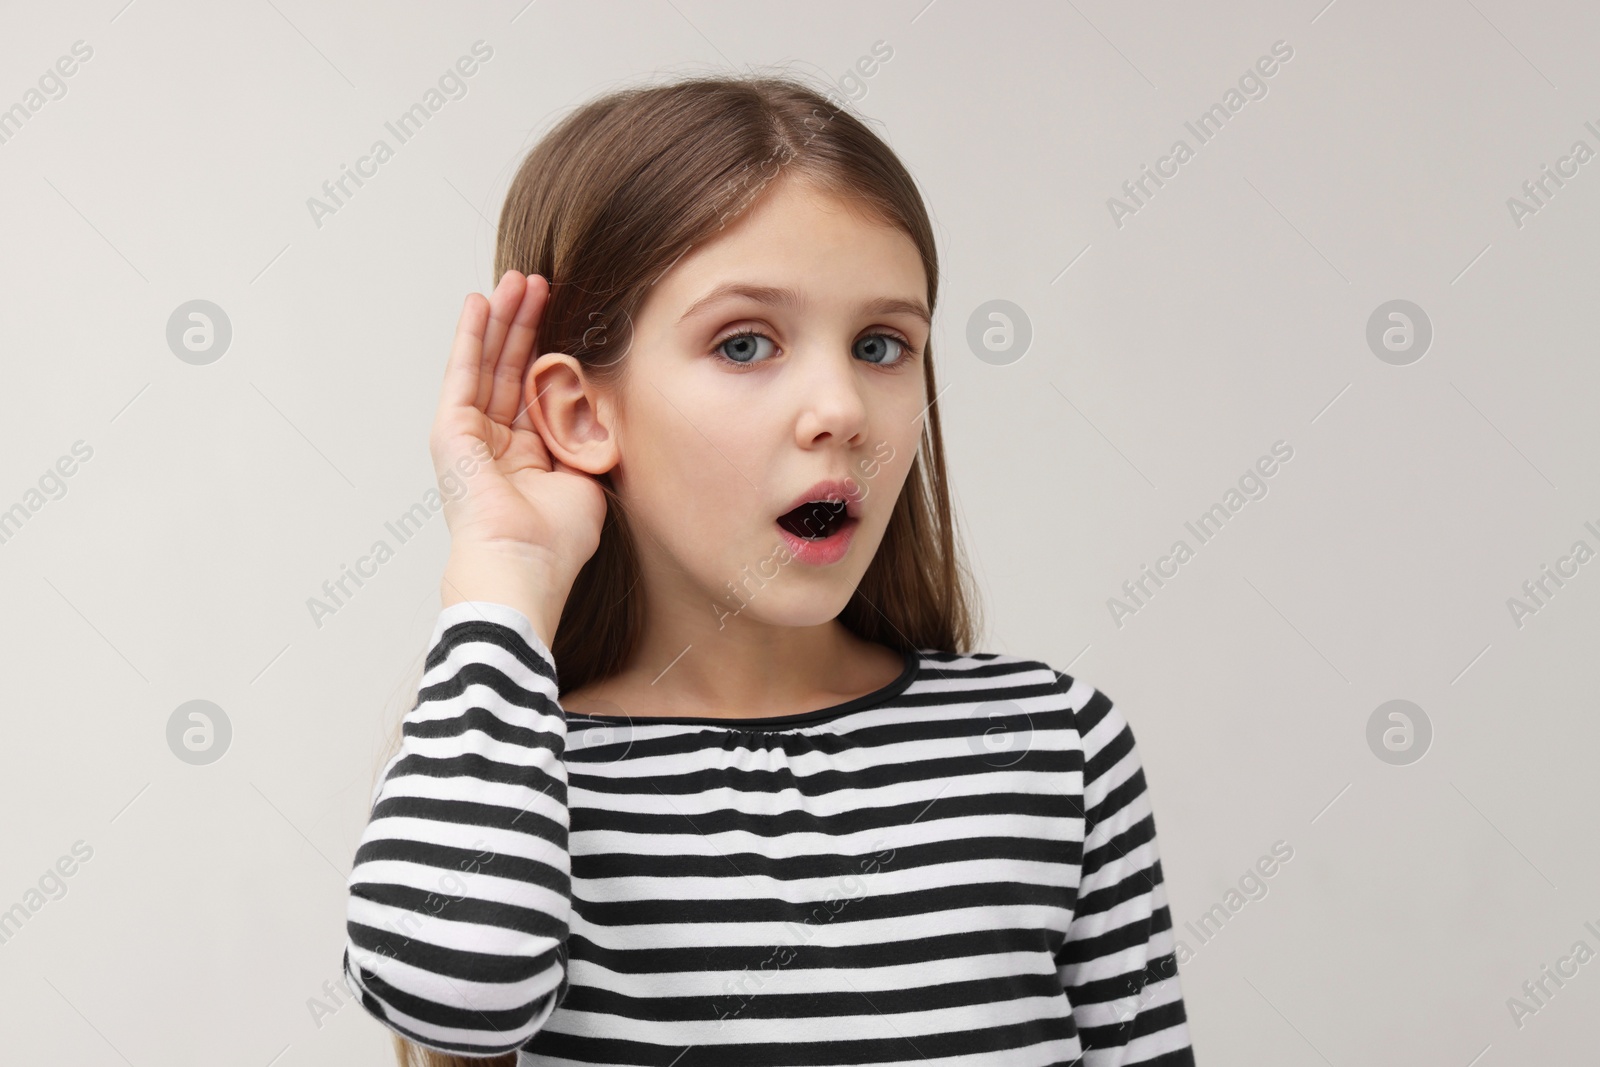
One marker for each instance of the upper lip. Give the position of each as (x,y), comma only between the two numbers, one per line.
(832,490)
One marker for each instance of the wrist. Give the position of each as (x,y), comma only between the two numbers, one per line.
(519,576)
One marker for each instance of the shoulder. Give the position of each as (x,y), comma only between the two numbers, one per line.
(1001,672)
(978,670)
(1037,688)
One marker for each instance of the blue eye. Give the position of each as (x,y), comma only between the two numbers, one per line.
(742,347)
(873,348)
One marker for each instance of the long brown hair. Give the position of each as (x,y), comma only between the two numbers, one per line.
(602,207)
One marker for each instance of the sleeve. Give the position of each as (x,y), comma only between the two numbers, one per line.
(1118,964)
(460,894)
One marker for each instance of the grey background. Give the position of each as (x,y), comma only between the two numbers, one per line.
(1167,355)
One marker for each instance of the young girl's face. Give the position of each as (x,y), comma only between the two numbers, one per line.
(719,435)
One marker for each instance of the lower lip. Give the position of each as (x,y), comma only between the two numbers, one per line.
(830,549)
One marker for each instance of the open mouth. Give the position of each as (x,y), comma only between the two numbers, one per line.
(816,520)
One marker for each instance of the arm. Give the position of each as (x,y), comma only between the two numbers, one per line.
(1117,964)
(460,897)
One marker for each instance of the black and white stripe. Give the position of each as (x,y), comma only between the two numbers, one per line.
(960,868)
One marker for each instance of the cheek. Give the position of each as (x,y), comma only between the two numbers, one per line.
(695,459)
(896,434)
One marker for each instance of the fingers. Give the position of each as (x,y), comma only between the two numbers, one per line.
(506,402)
(503,305)
(461,371)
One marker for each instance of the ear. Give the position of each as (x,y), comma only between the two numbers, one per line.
(572,414)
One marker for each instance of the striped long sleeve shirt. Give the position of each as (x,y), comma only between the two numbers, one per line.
(958,868)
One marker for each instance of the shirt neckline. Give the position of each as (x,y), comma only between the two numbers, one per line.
(774,722)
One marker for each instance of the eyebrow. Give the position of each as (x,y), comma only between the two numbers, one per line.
(781,296)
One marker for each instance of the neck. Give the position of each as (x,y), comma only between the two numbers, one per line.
(700,656)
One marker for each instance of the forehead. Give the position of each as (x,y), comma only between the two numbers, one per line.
(798,237)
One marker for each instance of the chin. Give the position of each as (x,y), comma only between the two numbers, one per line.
(782,590)
(773,605)
(816,612)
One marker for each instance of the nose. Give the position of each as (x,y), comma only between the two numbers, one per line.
(831,404)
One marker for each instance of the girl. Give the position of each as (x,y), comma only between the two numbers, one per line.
(776,811)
